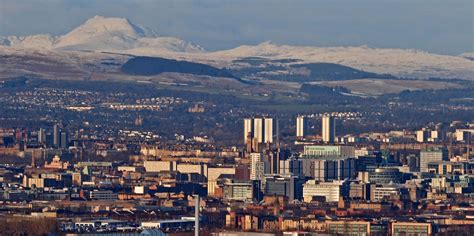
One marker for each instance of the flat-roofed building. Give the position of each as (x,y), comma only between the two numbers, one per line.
(330,190)
(102,195)
(334,169)
(240,191)
(348,227)
(291,166)
(213,174)
(379,192)
(157,166)
(178,224)
(411,228)
(328,151)
(386,176)
(289,186)
(192,168)
(431,155)
(447,167)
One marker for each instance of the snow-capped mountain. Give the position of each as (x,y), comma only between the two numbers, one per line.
(399,62)
(40,41)
(119,35)
(104,34)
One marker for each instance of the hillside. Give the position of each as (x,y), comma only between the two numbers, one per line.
(398,62)
(147,66)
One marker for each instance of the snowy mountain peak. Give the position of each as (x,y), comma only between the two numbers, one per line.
(100,24)
(111,34)
(104,33)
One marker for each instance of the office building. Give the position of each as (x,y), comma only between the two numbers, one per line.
(340,169)
(386,176)
(410,228)
(213,174)
(330,190)
(379,192)
(348,227)
(329,151)
(240,191)
(431,155)
(289,186)
(329,129)
(301,126)
(359,190)
(291,167)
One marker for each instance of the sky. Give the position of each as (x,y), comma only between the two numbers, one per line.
(438,26)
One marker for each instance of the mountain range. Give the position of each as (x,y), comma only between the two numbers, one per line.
(118,35)
(103,34)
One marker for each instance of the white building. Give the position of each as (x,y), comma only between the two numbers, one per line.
(378,193)
(301,126)
(329,129)
(330,190)
(268,130)
(259,129)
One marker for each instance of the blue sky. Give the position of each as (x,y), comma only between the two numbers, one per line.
(445,26)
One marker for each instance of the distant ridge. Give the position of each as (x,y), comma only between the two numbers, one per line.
(147,66)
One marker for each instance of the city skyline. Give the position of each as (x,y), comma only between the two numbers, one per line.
(180,118)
